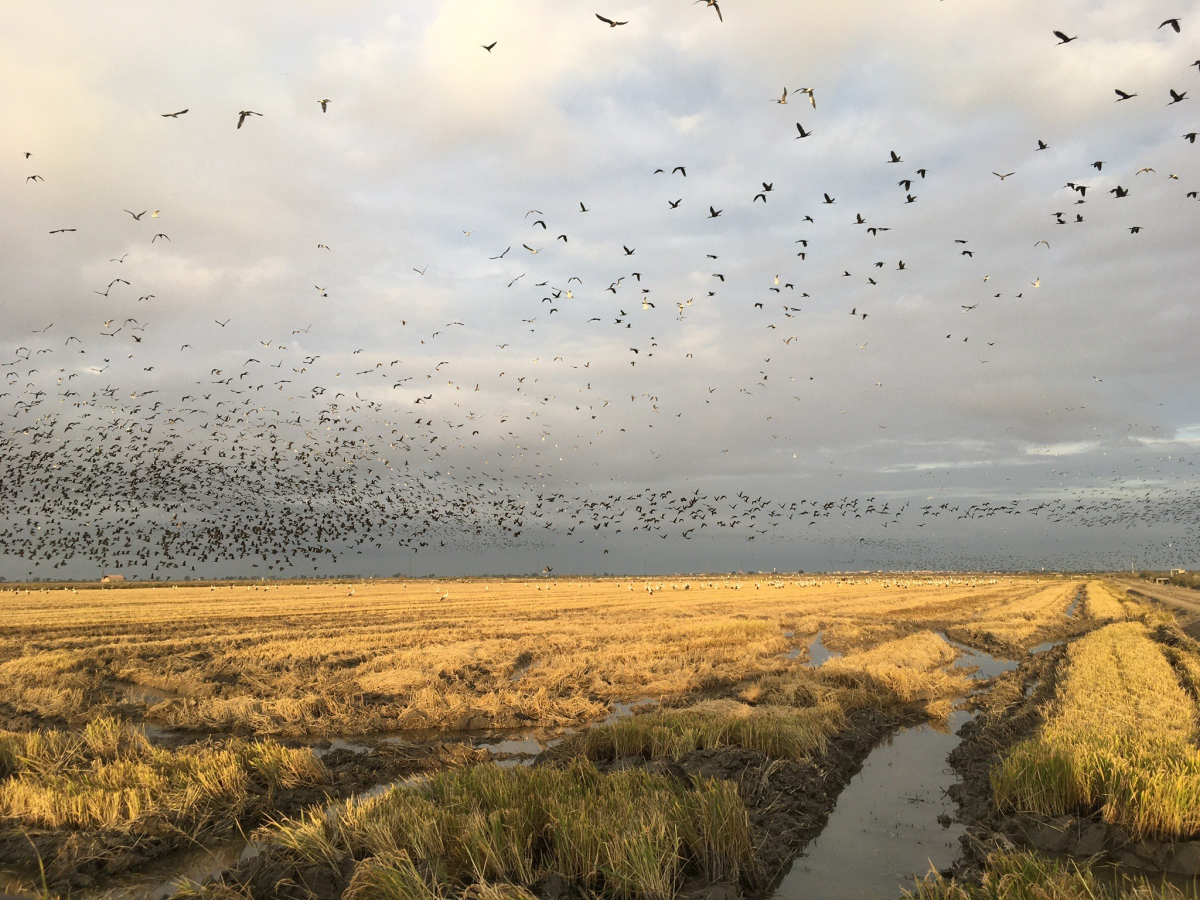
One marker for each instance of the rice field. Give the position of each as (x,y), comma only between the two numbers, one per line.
(1119,741)
(316,659)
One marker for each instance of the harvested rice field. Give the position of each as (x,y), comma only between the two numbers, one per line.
(616,738)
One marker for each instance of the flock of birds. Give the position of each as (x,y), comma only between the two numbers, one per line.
(289,463)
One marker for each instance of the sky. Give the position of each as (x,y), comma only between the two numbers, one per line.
(993,342)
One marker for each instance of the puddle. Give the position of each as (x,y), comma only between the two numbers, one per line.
(164,878)
(328,746)
(1074,607)
(988,666)
(885,829)
(131,692)
(1042,648)
(818,653)
(624,710)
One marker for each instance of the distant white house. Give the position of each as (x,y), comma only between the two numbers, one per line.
(112,579)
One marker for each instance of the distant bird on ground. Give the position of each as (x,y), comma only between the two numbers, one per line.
(244,113)
(609,22)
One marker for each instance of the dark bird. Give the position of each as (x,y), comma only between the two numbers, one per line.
(895,157)
(1002,177)
(1177,96)
(34,178)
(681,170)
(628,252)
(61,230)
(174,115)
(582,208)
(137,217)
(488,47)
(1122,95)
(1174,23)
(713,213)
(830,200)
(324,103)
(675,203)
(1190,137)
(246,112)
(609,22)
(803,133)
(1063,39)
(157,236)
(1042,145)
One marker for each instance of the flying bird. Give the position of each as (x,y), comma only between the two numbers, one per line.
(1063,39)
(488,47)
(1122,95)
(174,115)
(609,22)
(324,103)
(244,113)
(1174,23)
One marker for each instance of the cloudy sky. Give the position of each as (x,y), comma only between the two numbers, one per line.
(1004,356)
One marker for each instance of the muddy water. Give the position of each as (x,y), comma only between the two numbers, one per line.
(892,823)
(885,828)
(818,653)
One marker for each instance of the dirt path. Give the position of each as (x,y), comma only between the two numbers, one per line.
(1180,598)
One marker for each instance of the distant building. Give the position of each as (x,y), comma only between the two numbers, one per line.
(1178,572)
(112,579)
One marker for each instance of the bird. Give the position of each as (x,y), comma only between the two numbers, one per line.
(895,157)
(488,47)
(681,170)
(1190,137)
(1177,96)
(675,203)
(323,247)
(812,97)
(714,5)
(1042,145)
(782,101)
(61,230)
(34,178)
(829,200)
(628,251)
(244,113)
(1002,177)
(803,133)
(174,115)
(1174,23)
(1122,95)
(157,236)
(1063,39)
(713,213)
(609,22)
(420,271)
(222,324)
(137,217)
(582,208)
(324,103)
